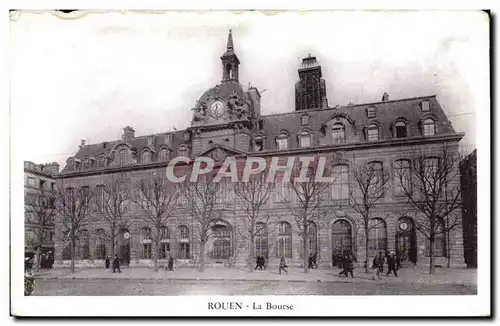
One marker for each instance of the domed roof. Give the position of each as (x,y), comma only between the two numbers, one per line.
(223,91)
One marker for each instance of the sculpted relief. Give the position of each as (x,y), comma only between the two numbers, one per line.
(213,108)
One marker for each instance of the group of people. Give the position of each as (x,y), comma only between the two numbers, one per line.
(116,263)
(347,264)
(393,264)
(260,262)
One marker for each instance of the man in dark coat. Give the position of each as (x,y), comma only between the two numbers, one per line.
(262,262)
(391,264)
(116,264)
(310,261)
(106,262)
(380,262)
(170,263)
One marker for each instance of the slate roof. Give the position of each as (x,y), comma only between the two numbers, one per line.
(386,114)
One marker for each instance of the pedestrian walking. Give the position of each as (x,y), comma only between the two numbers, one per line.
(349,269)
(170,263)
(343,262)
(283,265)
(398,261)
(257,262)
(381,261)
(262,262)
(391,264)
(310,261)
(315,260)
(375,268)
(116,264)
(106,262)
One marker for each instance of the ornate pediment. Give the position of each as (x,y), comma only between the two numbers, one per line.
(219,153)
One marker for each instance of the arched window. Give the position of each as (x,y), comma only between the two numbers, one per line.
(100,246)
(146,243)
(86,163)
(222,242)
(164,154)
(372,132)
(377,236)
(102,161)
(261,247)
(164,241)
(338,133)
(305,139)
(258,144)
(439,240)
(285,240)
(282,141)
(123,156)
(429,127)
(183,246)
(340,186)
(341,240)
(84,244)
(402,177)
(183,150)
(400,130)
(146,157)
(312,238)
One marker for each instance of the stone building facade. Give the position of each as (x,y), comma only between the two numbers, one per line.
(39,179)
(229,121)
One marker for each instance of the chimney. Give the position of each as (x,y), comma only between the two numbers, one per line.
(128,133)
(385,97)
(82,143)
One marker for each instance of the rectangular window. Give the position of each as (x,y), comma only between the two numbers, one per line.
(282,143)
(100,198)
(425,106)
(184,251)
(42,184)
(402,177)
(305,141)
(373,134)
(340,186)
(31,181)
(371,112)
(281,192)
(146,250)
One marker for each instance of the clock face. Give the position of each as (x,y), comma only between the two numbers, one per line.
(403,226)
(217,108)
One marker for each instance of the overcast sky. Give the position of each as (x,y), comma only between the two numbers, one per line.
(87,78)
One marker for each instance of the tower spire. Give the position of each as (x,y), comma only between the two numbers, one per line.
(230,45)
(230,61)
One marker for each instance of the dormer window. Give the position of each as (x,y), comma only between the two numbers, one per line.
(338,133)
(86,164)
(261,124)
(282,141)
(305,120)
(258,144)
(371,112)
(305,140)
(429,127)
(425,106)
(183,151)
(372,132)
(146,157)
(123,156)
(400,130)
(151,140)
(102,161)
(168,138)
(164,154)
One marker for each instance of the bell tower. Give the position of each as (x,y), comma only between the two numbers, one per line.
(230,61)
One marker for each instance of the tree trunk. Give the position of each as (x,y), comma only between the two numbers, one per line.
(252,254)
(112,250)
(448,249)
(202,256)
(72,264)
(157,254)
(305,250)
(366,252)
(431,255)
(36,265)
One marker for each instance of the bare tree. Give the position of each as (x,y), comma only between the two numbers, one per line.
(204,203)
(308,191)
(157,200)
(252,196)
(431,185)
(40,212)
(369,182)
(112,201)
(74,211)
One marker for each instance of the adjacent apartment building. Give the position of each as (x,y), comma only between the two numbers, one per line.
(39,185)
(228,120)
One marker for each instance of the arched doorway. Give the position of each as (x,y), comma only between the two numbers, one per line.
(406,240)
(124,247)
(222,249)
(341,240)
